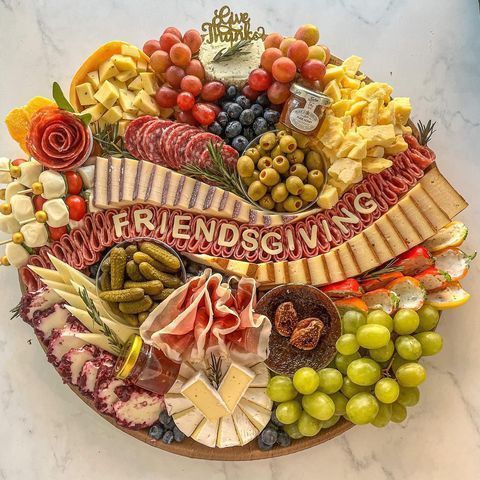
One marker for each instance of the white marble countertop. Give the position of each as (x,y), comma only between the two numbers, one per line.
(427,50)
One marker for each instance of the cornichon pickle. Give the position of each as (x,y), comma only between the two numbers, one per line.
(142,317)
(105,283)
(128,295)
(138,306)
(140,257)
(106,265)
(152,287)
(151,273)
(166,292)
(160,254)
(133,273)
(118,260)
(131,249)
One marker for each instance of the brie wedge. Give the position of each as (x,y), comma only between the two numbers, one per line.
(227,434)
(188,420)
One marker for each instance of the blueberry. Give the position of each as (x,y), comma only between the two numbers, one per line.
(271,116)
(243,101)
(225,103)
(222,119)
(260,126)
(262,99)
(178,435)
(247,117)
(283,439)
(156,431)
(269,436)
(240,143)
(233,129)
(263,446)
(248,133)
(215,128)
(234,110)
(231,92)
(257,109)
(168,437)
(165,418)
(275,420)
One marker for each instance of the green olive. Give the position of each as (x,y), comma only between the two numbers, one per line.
(299,170)
(269,177)
(302,140)
(309,193)
(281,133)
(315,178)
(245,166)
(260,150)
(314,160)
(294,185)
(281,164)
(249,180)
(293,203)
(288,144)
(264,162)
(257,190)
(268,141)
(296,156)
(267,202)
(253,153)
(275,152)
(279,207)
(279,192)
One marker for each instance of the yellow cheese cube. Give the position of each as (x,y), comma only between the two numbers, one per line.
(383,135)
(128,116)
(96,111)
(400,145)
(328,198)
(356,108)
(124,63)
(142,66)
(122,126)
(149,82)
(118,83)
(370,92)
(331,131)
(339,108)
(126,75)
(386,114)
(347,124)
(85,94)
(352,83)
(107,70)
(135,84)
(351,65)
(333,91)
(375,165)
(144,102)
(113,115)
(402,109)
(340,186)
(346,170)
(406,130)
(330,154)
(131,51)
(376,152)
(359,150)
(333,73)
(350,140)
(125,100)
(101,124)
(107,94)
(370,113)
(93,79)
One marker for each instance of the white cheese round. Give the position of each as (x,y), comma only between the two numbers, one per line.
(16,254)
(5,165)
(53,184)
(22,207)
(30,171)
(57,212)
(35,234)
(12,189)
(9,224)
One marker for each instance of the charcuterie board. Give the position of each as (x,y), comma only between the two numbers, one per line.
(232,244)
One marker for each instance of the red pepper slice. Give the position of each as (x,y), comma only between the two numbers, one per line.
(345,288)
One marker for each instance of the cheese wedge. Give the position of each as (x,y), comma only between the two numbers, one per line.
(258,396)
(100,341)
(246,431)
(47,274)
(261,375)
(206,433)
(207,400)
(59,286)
(177,385)
(227,434)
(234,384)
(259,416)
(188,420)
(176,402)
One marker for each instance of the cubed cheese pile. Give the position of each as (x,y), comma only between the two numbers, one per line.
(362,127)
(120,90)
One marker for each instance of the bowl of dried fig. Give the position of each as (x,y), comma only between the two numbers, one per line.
(305,327)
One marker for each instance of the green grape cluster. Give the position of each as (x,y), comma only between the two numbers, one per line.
(373,378)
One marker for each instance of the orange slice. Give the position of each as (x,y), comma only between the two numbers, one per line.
(453,295)
(35,104)
(451,235)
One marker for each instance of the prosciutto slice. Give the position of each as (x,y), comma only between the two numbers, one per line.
(206,316)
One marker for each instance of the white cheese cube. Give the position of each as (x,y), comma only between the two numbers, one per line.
(57,212)
(107,94)
(22,207)
(53,184)
(87,173)
(107,70)
(149,82)
(131,51)
(5,177)
(144,102)
(113,115)
(12,189)
(96,111)
(94,79)
(9,224)
(35,234)
(16,254)
(85,94)
(30,172)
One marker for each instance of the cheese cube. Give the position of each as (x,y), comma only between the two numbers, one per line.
(113,115)
(35,234)
(107,70)
(9,224)
(85,94)
(125,99)
(117,83)
(375,164)
(142,66)
(351,83)
(402,109)
(356,108)
(376,152)
(333,73)
(351,65)
(346,170)
(235,384)
(57,212)
(131,51)
(107,94)
(16,254)
(128,116)
(144,102)
(136,84)
(383,135)
(328,198)
(339,185)
(22,207)
(400,145)
(96,111)
(333,91)
(207,400)
(93,79)
(149,82)
(122,127)
(126,75)
(339,108)
(123,63)
(370,113)
(331,132)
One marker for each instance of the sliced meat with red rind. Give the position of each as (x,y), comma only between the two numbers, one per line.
(230,155)
(172,142)
(152,136)
(164,143)
(197,145)
(132,131)
(140,138)
(179,144)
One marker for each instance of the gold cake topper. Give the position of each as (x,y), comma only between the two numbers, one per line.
(227,26)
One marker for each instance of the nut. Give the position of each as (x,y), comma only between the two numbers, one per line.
(286,319)
(307,333)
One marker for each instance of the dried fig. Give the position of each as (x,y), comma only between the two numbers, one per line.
(307,333)
(286,319)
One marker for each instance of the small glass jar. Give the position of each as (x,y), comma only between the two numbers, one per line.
(304,110)
(146,366)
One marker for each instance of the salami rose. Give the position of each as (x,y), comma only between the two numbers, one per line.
(59,140)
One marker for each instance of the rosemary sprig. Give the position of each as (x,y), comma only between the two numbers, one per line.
(218,173)
(227,53)
(387,268)
(112,337)
(426,131)
(214,371)
(15,311)
(111,143)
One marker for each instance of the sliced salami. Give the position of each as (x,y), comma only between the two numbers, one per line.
(172,142)
(179,144)
(141,135)
(132,131)
(198,145)
(164,141)
(230,155)
(152,135)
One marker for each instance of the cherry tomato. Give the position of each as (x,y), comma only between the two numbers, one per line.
(203,114)
(38,202)
(57,233)
(18,161)
(74,182)
(77,207)
(185,101)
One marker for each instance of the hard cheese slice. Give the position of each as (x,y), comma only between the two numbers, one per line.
(227,434)
(201,393)
(206,432)
(188,420)
(234,384)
